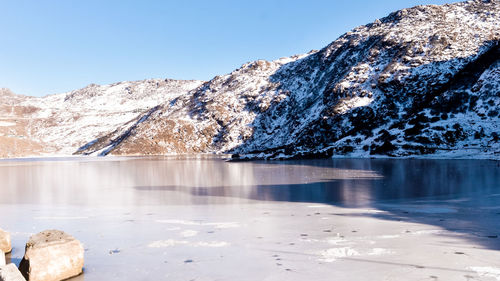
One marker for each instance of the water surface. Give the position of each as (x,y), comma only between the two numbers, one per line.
(211,180)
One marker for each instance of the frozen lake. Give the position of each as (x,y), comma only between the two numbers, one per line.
(202,218)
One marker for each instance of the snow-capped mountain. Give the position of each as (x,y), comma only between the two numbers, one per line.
(421,81)
(59,124)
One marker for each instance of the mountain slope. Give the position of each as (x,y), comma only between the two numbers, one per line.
(59,124)
(422,80)
(14,121)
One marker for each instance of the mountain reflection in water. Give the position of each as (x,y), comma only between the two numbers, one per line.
(211,180)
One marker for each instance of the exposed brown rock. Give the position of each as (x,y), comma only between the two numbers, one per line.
(5,245)
(52,255)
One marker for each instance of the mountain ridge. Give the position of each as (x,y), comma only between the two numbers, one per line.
(422,81)
(58,124)
(307,106)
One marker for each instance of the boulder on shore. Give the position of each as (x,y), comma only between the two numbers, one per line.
(10,273)
(52,255)
(5,245)
(2,258)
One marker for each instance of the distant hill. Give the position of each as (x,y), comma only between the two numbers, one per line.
(60,124)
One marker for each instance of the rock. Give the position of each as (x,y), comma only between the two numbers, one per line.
(5,245)
(2,258)
(10,273)
(52,255)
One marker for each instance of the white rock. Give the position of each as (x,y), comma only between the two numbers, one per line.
(5,245)
(52,255)
(10,273)
(2,258)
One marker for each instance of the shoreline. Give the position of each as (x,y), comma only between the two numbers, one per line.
(229,157)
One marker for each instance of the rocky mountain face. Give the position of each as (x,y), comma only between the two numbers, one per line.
(421,81)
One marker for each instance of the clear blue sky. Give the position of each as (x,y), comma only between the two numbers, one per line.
(53,46)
